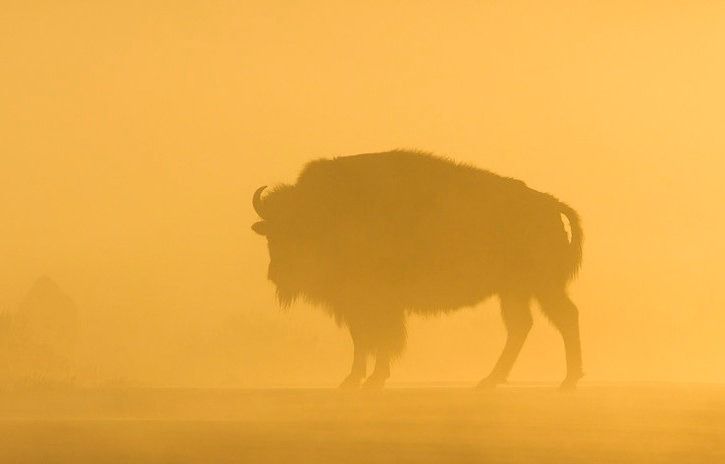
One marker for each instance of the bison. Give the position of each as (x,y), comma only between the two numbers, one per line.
(375,236)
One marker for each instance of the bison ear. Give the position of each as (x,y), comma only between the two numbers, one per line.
(260,227)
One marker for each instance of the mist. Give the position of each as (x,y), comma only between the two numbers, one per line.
(135,134)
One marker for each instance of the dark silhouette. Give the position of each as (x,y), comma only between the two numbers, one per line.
(371,236)
(38,341)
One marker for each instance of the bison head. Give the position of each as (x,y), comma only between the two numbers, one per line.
(289,249)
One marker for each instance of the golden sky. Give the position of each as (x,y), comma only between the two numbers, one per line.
(134,133)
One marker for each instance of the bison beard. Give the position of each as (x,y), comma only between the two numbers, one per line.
(371,237)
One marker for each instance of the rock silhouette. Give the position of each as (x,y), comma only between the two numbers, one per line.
(38,341)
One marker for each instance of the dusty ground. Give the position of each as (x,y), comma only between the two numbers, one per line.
(596,424)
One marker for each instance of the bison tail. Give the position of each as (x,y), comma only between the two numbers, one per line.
(577,237)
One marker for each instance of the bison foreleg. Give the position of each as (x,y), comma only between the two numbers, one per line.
(382,370)
(359,360)
(516,315)
(388,340)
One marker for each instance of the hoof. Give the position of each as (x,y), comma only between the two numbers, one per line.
(374,382)
(570,382)
(351,382)
(489,383)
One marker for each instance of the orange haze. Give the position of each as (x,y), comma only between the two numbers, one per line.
(133,135)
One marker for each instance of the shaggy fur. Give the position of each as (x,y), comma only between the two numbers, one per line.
(373,236)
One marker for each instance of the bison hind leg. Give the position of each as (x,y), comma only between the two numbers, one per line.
(564,315)
(516,314)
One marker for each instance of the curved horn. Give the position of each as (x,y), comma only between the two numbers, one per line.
(257,201)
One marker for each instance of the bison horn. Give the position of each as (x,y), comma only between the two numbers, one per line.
(257,201)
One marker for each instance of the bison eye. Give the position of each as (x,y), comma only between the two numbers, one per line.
(260,227)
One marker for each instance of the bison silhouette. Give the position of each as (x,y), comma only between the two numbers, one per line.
(372,237)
